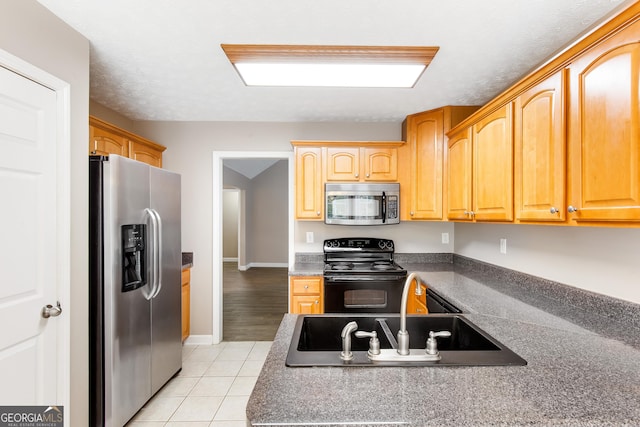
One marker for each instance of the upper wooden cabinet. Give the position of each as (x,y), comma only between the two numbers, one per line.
(604,136)
(361,164)
(104,142)
(318,162)
(423,188)
(308,185)
(105,139)
(493,166)
(459,176)
(540,152)
(146,153)
(480,169)
(576,137)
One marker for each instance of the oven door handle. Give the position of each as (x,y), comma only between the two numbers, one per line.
(363,278)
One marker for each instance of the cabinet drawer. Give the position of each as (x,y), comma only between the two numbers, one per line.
(310,285)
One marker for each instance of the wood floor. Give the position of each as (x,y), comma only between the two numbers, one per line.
(254,302)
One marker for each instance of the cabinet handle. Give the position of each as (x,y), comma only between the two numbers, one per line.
(306,286)
(571,209)
(367,175)
(357,175)
(469,213)
(554,210)
(317,302)
(318,213)
(411,213)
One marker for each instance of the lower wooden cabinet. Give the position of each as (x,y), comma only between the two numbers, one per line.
(306,294)
(417,304)
(186,303)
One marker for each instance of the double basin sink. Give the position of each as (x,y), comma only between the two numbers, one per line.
(317,341)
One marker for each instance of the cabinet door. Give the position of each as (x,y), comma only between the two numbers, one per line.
(306,304)
(493,166)
(103,142)
(145,153)
(459,176)
(605,131)
(540,151)
(307,294)
(425,134)
(380,164)
(343,163)
(308,183)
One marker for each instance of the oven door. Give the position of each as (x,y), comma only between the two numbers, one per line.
(354,294)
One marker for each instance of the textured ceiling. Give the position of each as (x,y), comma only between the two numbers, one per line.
(161,59)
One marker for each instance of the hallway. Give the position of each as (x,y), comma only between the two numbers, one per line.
(254,302)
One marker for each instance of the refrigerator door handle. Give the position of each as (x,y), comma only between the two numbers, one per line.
(158,252)
(153,251)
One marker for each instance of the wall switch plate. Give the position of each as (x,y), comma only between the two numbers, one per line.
(503,246)
(445,238)
(309,236)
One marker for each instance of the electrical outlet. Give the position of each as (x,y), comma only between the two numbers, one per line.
(445,238)
(309,236)
(503,246)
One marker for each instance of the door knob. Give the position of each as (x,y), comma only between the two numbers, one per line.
(51,311)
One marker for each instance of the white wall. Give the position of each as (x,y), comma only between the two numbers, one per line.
(29,31)
(409,237)
(598,259)
(230,212)
(268,216)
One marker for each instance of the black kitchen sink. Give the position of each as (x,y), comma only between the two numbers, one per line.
(317,341)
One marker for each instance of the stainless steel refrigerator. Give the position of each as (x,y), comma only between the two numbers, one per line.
(134,285)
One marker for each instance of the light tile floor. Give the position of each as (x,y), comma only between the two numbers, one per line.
(212,389)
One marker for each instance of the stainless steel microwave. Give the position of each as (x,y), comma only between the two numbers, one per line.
(362,204)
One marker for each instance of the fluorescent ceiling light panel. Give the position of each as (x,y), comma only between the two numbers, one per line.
(335,75)
(329,66)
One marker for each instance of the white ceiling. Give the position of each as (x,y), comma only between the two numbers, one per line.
(161,59)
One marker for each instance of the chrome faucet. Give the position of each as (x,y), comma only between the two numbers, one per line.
(403,335)
(346,340)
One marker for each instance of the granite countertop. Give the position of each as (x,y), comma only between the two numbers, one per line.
(583,369)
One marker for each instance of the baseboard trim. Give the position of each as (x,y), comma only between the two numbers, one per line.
(199,340)
(268,265)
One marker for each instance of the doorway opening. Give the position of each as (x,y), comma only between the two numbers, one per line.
(219,158)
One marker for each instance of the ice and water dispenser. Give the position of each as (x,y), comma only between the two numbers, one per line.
(134,271)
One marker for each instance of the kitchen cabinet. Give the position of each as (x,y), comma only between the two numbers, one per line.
(480,169)
(361,164)
(145,153)
(318,162)
(308,185)
(423,161)
(105,139)
(540,151)
(459,176)
(186,303)
(306,294)
(104,142)
(492,140)
(604,132)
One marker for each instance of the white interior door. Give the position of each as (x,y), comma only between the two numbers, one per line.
(28,243)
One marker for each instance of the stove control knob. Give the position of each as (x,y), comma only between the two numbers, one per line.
(381,244)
